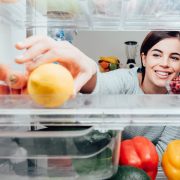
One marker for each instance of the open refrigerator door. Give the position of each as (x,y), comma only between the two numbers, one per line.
(81,139)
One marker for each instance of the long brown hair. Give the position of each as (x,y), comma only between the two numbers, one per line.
(151,39)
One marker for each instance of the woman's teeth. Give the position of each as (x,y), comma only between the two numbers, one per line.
(162,74)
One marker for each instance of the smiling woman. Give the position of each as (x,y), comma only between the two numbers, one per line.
(160,57)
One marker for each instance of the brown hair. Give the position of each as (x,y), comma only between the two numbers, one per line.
(151,39)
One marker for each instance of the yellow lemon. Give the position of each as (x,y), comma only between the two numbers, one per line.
(50,85)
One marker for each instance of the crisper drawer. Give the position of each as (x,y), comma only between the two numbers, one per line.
(59,152)
(79,140)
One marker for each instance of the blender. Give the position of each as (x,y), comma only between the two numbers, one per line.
(131,50)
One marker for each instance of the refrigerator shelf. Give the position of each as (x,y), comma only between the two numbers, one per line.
(101,111)
(92,15)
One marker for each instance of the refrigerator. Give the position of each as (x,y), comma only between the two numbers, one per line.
(82,138)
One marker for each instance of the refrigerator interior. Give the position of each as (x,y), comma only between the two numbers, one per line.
(25,125)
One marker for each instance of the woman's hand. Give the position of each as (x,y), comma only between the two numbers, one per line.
(43,49)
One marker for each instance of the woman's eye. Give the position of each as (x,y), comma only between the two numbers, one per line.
(156,55)
(175,58)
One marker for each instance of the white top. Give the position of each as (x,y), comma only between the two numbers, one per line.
(121,81)
(125,81)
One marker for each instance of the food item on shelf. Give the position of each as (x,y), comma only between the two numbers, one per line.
(15,91)
(4,89)
(97,156)
(60,163)
(111,59)
(112,66)
(104,64)
(61,9)
(50,85)
(171,160)
(94,163)
(130,173)
(141,153)
(93,142)
(108,63)
(4,70)
(107,7)
(24,91)
(175,85)
(15,80)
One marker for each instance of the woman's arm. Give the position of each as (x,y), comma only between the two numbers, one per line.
(90,85)
(170,133)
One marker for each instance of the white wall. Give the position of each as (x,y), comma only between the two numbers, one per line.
(102,43)
(94,44)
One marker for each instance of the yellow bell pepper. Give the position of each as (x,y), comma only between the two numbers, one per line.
(171,160)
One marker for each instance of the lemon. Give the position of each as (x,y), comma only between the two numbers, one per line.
(50,85)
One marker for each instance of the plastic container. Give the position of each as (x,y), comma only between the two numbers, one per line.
(50,145)
(59,152)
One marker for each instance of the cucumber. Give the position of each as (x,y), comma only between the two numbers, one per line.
(130,173)
(92,142)
(99,162)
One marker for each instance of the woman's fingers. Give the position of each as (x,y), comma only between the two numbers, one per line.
(32,53)
(49,57)
(35,46)
(27,43)
(42,60)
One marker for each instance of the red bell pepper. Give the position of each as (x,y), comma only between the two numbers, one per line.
(141,153)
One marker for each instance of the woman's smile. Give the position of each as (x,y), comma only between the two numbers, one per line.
(163,74)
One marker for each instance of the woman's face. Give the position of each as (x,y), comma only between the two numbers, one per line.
(162,62)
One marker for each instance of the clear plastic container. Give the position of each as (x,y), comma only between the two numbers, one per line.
(42,143)
(71,152)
